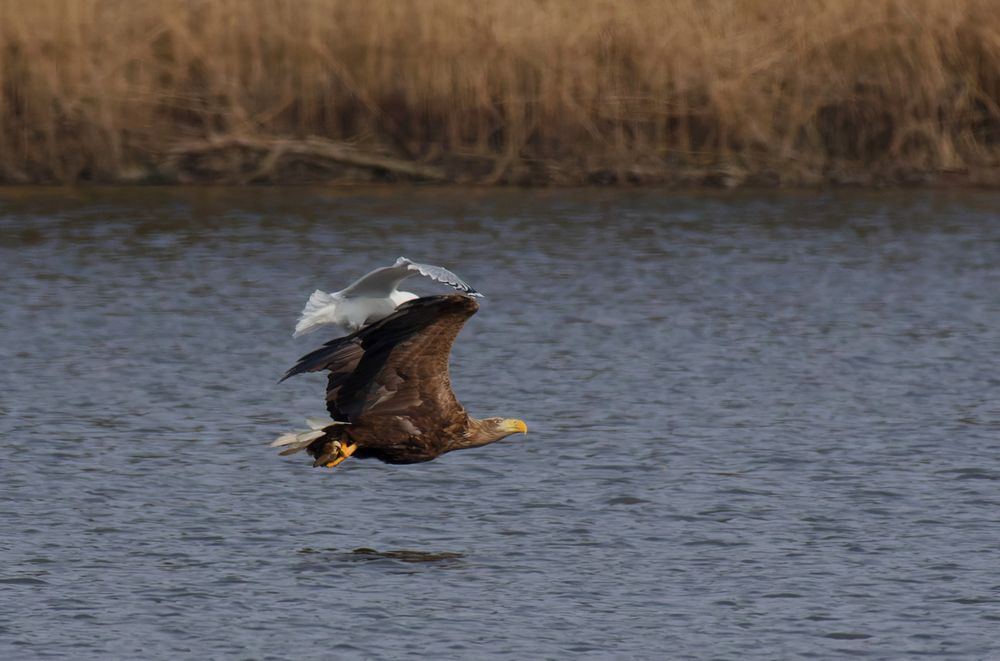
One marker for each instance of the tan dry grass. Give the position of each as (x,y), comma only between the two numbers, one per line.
(560,91)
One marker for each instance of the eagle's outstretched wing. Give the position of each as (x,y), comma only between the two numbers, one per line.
(382,282)
(396,367)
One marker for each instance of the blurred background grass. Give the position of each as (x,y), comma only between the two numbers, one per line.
(492,91)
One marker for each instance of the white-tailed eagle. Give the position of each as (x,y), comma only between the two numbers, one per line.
(389,393)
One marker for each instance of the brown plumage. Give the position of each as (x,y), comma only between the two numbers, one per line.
(389,383)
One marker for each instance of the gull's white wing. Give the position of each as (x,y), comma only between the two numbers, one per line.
(438,273)
(377,284)
(380,283)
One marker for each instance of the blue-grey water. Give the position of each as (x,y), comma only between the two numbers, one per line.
(763,426)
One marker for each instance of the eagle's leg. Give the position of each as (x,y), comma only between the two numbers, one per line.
(345,451)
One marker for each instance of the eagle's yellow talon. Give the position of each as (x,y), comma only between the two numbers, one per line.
(345,452)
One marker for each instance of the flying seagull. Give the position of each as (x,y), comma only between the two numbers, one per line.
(388,391)
(371,298)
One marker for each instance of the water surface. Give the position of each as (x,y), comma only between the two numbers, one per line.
(762,426)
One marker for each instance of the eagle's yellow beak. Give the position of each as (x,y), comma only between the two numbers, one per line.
(514,426)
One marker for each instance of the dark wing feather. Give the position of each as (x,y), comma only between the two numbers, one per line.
(397,366)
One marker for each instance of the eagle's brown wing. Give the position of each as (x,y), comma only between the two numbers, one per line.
(394,372)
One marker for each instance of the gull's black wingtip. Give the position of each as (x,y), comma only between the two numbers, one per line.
(469,291)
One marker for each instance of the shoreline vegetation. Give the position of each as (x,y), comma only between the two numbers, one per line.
(523,92)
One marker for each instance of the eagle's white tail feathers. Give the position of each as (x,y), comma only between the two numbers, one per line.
(322,423)
(299,440)
(319,310)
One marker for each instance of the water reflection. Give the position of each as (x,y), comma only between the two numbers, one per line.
(402,555)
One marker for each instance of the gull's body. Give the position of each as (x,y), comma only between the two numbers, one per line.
(373,297)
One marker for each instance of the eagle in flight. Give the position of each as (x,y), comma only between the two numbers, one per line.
(388,390)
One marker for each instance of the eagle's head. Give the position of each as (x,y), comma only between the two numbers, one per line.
(491,430)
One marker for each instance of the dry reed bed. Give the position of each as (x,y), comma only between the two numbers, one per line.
(515,91)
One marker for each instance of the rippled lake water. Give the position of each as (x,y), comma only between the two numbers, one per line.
(762,426)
